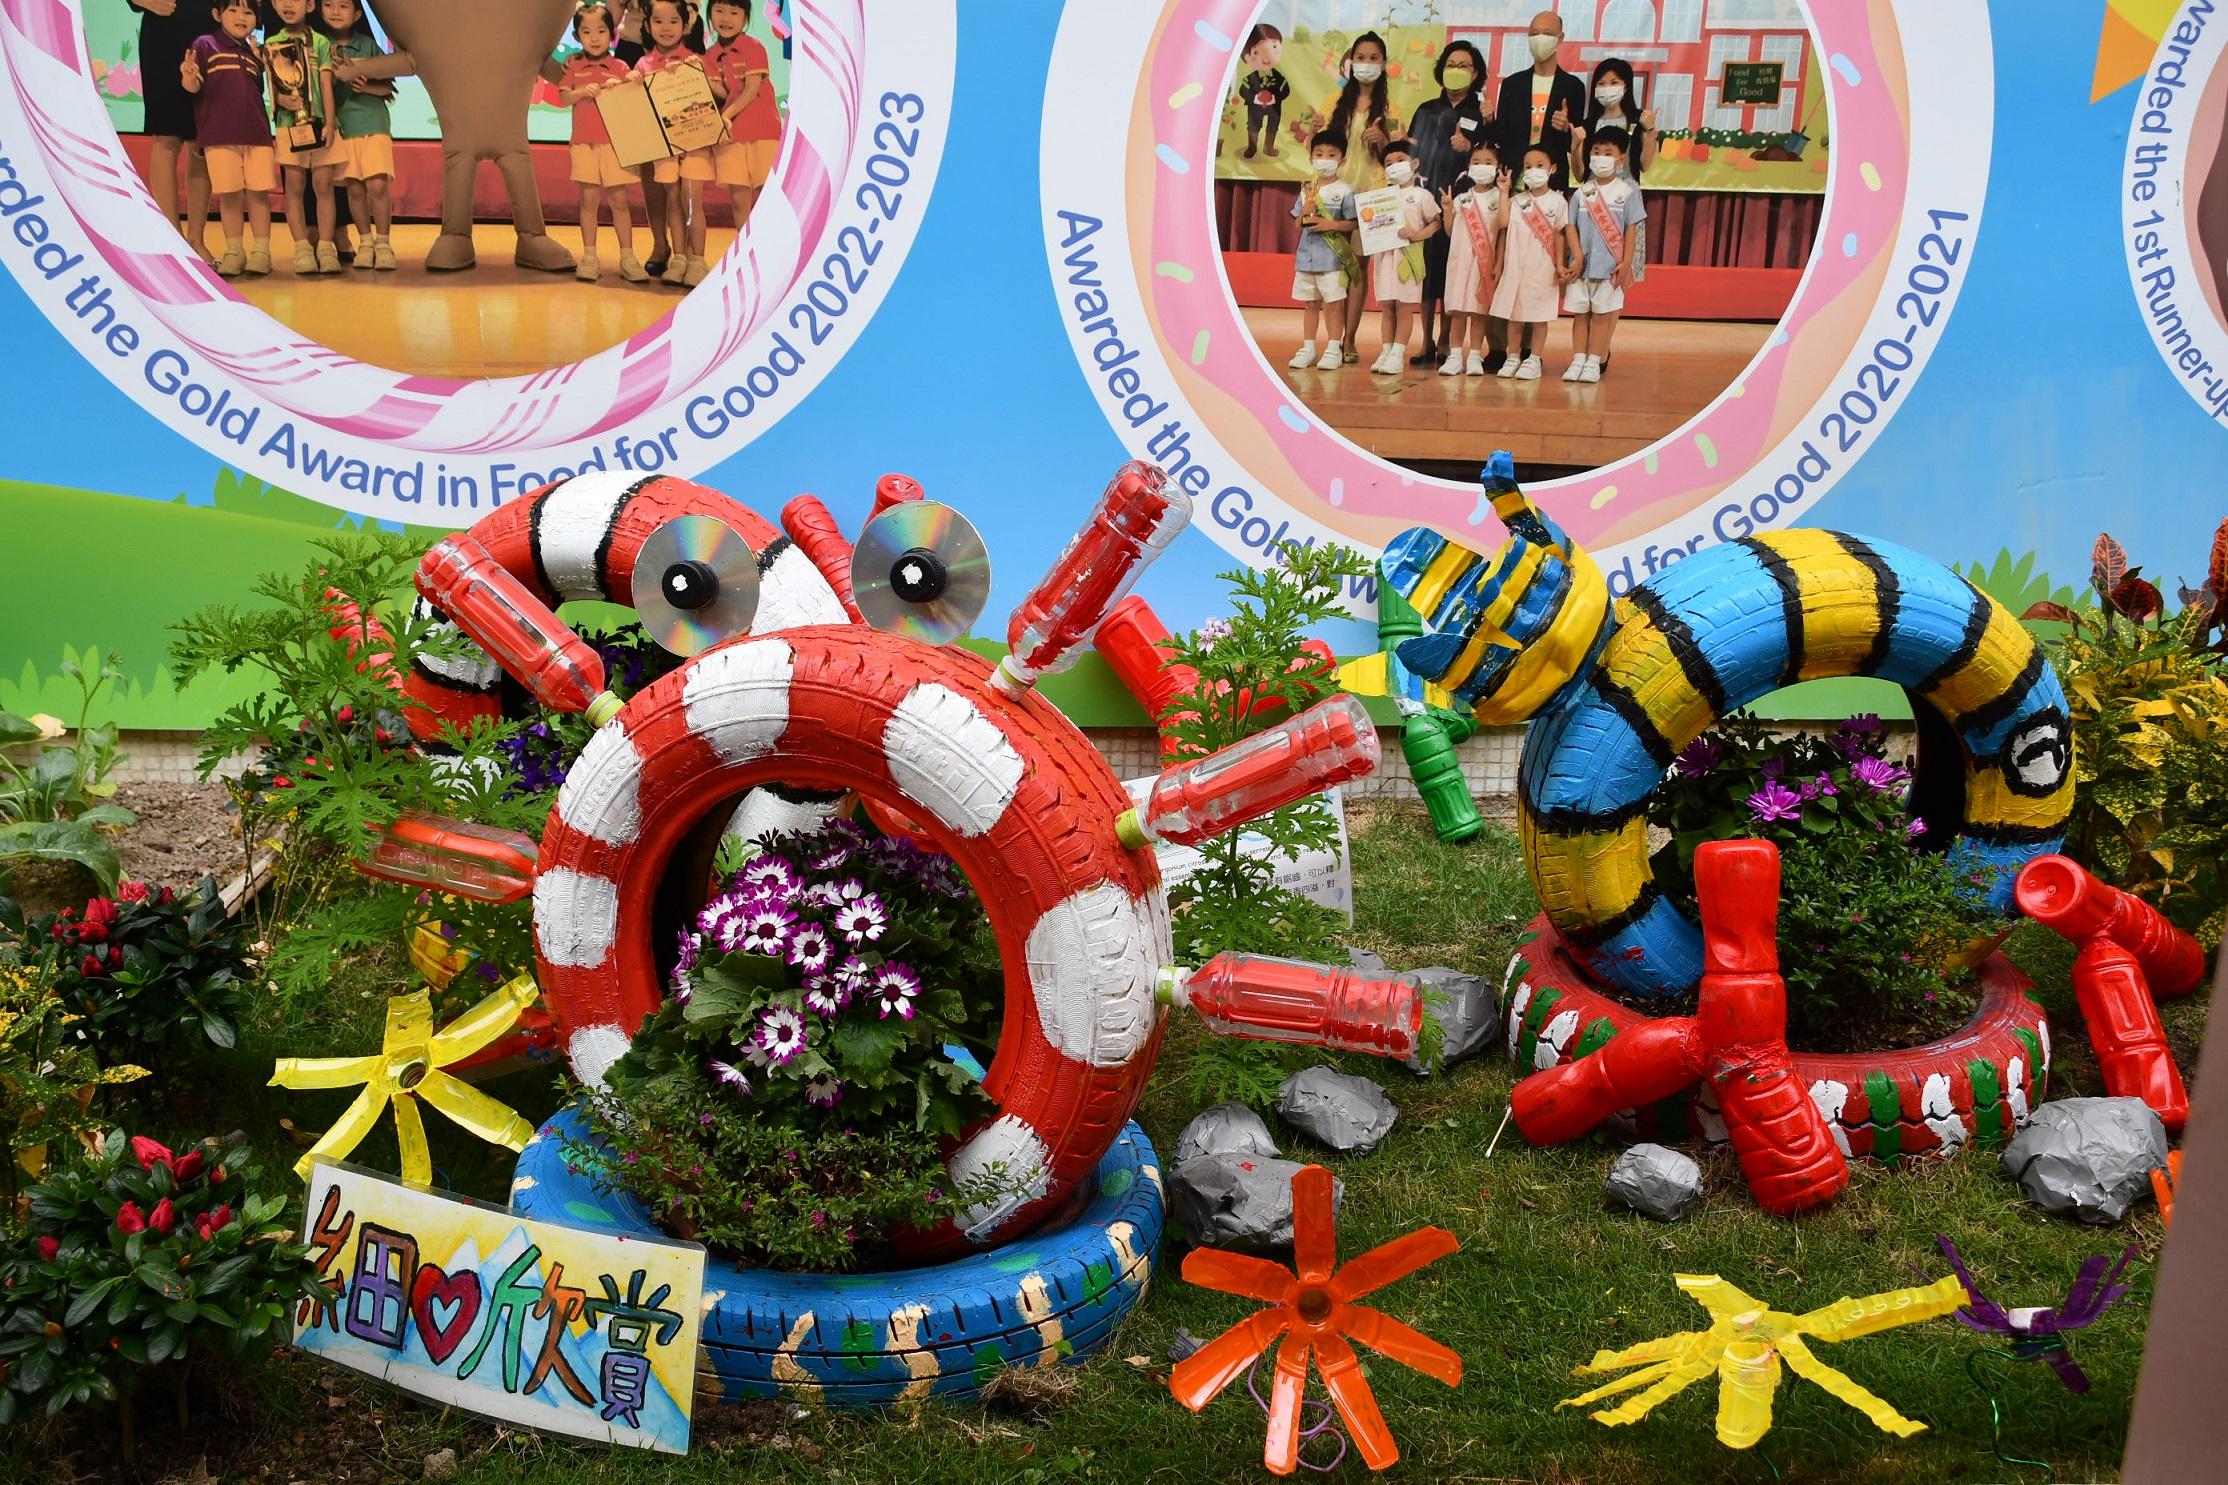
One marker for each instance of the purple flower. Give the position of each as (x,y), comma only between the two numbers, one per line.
(728,1076)
(1775,801)
(781,1034)
(1823,784)
(825,997)
(766,930)
(850,978)
(773,876)
(895,986)
(1877,774)
(723,919)
(823,1091)
(1775,769)
(1915,829)
(863,920)
(832,856)
(1700,756)
(851,889)
(1863,724)
(808,948)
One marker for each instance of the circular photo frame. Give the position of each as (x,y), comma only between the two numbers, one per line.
(2174,209)
(870,105)
(1130,236)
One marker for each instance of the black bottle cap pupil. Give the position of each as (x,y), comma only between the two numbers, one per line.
(918,576)
(690,585)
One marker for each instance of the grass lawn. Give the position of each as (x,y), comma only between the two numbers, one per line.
(1545,1276)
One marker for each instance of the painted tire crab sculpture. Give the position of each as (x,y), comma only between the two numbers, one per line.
(1614,689)
(933,740)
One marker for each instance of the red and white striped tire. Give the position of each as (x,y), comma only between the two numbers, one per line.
(1005,785)
(578,539)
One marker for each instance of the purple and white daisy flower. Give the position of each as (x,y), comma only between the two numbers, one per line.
(780,1035)
(820,895)
(771,875)
(727,1075)
(895,987)
(850,889)
(832,855)
(823,1091)
(766,931)
(863,920)
(825,997)
(808,948)
(722,920)
(851,977)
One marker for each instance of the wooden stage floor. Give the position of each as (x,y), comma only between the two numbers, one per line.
(495,320)
(1662,372)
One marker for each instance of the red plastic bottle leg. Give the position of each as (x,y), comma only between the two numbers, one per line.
(1791,1163)
(2131,1050)
(1635,1068)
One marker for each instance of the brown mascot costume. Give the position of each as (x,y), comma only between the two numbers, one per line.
(479,60)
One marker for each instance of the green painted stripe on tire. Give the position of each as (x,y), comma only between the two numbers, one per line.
(1886,1106)
(1990,1116)
(1543,1006)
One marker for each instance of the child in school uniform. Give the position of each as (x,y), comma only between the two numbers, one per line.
(1538,248)
(1323,264)
(1608,211)
(742,79)
(595,164)
(224,72)
(309,172)
(1396,274)
(667,23)
(366,151)
(1473,258)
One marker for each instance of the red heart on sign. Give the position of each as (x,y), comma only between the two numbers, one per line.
(434,1291)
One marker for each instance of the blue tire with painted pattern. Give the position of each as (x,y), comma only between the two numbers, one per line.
(872,1339)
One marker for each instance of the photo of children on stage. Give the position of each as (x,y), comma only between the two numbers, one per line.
(1407,206)
(330,173)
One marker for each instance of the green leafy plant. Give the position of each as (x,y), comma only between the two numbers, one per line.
(141,969)
(1873,927)
(55,805)
(2148,690)
(803,1064)
(1253,671)
(2014,583)
(48,1078)
(139,1257)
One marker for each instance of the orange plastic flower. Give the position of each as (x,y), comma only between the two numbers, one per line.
(1315,1309)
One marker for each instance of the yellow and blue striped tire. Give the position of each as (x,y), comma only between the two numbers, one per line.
(869,1340)
(1724,628)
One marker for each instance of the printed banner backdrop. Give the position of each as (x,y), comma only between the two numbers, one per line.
(988,260)
(576,1332)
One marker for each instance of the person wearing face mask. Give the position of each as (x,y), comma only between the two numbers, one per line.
(1539,251)
(1543,104)
(1614,108)
(1607,212)
(1443,132)
(1473,221)
(1396,274)
(1325,270)
(1360,118)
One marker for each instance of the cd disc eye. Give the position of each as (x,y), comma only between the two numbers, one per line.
(921,570)
(695,584)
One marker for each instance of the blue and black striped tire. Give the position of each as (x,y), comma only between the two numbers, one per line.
(868,1340)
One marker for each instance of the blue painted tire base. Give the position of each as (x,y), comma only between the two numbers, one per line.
(869,1340)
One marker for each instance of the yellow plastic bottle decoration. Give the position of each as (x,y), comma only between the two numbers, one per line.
(1746,1343)
(408,1067)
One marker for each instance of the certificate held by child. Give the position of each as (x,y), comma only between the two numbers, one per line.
(662,114)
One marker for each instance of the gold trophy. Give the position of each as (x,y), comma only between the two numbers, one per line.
(288,57)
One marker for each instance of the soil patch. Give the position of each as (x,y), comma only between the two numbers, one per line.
(185,832)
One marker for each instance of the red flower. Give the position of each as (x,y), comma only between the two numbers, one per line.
(132,892)
(101,910)
(48,1247)
(115,956)
(91,968)
(166,895)
(163,1217)
(187,1167)
(149,1153)
(92,933)
(130,1219)
(209,1224)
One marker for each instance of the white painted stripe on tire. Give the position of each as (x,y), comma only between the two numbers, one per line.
(792,593)
(472,668)
(602,793)
(593,1049)
(736,698)
(576,917)
(1005,1167)
(945,754)
(1092,962)
(571,526)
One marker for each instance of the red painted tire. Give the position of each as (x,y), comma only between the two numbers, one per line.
(1005,785)
(578,539)
(1977,1084)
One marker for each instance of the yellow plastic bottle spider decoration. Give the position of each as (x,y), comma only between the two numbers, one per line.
(1745,1344)
(406,1068)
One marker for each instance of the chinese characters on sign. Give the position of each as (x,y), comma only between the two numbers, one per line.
(577,1332)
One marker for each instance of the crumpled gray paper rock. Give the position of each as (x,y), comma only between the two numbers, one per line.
(1350,1114)
(1238,1201)
(1367,961)
(1656,1182)
(1224,1129)
(2089,1158)
(1469,1014)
